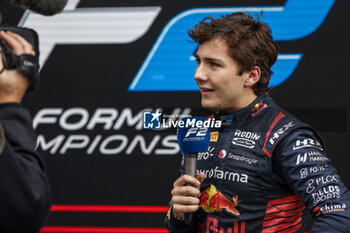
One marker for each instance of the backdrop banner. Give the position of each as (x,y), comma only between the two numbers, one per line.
(107,65)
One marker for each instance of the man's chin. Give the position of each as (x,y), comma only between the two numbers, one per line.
(210,107)
(216,108)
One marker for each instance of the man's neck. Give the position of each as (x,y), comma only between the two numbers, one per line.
(242,103)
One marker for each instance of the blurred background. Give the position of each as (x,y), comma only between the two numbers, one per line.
(104,62)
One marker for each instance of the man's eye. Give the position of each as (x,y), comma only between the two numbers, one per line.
(213,64)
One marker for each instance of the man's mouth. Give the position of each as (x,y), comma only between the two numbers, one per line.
(206,90)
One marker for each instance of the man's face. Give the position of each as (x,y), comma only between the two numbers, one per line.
(217,77)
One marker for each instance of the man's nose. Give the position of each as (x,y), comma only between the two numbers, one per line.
(200,74)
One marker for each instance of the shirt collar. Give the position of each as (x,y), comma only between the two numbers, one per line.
(245,114)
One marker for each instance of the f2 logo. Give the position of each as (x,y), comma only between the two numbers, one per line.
(89,26)
(198,131)
(295,20)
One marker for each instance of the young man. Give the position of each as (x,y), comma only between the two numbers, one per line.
(24,188)
(268,172)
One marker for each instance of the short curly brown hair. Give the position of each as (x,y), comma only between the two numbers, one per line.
(250,42)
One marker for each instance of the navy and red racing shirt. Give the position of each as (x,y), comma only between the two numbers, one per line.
(266,171)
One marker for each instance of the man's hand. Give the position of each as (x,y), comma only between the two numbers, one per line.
(186,194)
(13,84)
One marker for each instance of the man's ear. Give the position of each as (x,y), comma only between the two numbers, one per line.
(253,76)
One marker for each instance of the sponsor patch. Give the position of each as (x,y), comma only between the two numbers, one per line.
(214,136)
(206,155)
(242,158)
(307,142)
(258,108)
(280,131)
(212,200)
(222,154)
(225,175)
(246,134)
(311,156)
(329,208)
(326,193)
(243,142)
(303,173)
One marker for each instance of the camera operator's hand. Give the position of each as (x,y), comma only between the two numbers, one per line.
(13,84)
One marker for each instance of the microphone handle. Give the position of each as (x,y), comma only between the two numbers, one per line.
(190,169)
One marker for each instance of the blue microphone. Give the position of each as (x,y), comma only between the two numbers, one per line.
(193,138)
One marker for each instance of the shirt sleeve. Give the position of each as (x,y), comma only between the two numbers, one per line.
(308,171)
(178,226)
(25,193)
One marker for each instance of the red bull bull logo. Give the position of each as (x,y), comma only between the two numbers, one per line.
(211,200)
(258,108)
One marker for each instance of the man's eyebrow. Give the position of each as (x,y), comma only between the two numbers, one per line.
(210,59)
(213,59)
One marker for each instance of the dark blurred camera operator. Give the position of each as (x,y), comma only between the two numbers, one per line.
(24,187)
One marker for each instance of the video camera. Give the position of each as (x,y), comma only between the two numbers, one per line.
(25,63)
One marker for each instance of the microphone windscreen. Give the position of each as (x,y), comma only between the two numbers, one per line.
(43,7)
(193,137)
(48,7)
